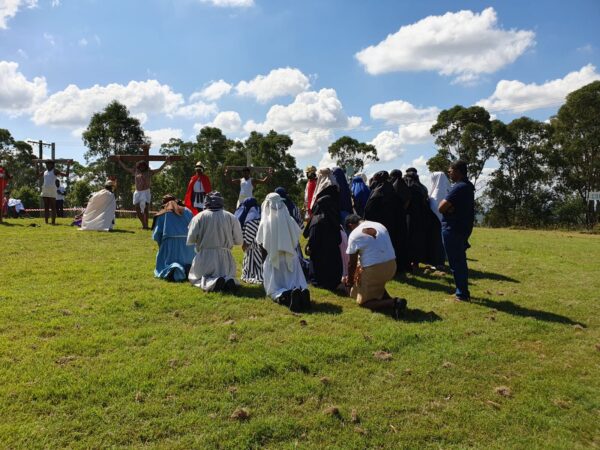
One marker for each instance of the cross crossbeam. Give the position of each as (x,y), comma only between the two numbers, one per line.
(145,156)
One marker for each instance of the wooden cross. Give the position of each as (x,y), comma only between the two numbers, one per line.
(145,156)
(252,169)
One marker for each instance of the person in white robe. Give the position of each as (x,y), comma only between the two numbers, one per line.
(278,233)
(440,186)
(99,214)
(214,232)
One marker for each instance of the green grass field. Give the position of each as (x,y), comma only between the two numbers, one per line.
(95,352)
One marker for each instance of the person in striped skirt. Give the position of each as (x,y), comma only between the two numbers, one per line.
(249,216)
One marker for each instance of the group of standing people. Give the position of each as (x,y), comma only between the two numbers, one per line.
(420,226)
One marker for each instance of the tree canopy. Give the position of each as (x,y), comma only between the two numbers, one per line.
(348,153)
(576,157)
(463,133)
(113,132)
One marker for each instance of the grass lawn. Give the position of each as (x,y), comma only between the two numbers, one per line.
(95,352)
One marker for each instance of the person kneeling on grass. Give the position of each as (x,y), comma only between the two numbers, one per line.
(170,227)
(214,232)
(99,214)
(370,245)
(278,233)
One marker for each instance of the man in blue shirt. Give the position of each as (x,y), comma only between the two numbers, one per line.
(458,215)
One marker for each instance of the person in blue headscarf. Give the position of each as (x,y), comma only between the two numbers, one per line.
(249,216)
(345,194)
(174,257)
(360,194)
(291,206)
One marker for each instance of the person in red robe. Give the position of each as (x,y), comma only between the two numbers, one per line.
(309,191)
(197,190)
(4,177)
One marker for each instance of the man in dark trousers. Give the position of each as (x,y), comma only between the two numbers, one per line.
(458,215)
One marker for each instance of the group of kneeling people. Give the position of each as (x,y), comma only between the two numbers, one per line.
(198,248)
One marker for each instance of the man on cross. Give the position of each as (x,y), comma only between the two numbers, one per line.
(143,180)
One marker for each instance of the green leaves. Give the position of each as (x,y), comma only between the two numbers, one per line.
(348,152)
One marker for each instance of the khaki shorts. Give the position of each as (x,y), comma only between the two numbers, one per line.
(371,284)
(49,191)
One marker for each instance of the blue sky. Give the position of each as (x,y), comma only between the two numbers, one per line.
(376,70)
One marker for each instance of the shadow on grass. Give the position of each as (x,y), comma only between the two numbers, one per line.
(481,275)
(442,284)
(117,230)
(473,275)
(324,308)
(411,315)
(251,290)
(509,307)
(9,224)
(418,316)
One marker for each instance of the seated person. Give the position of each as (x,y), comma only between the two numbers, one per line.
(214,232)
(369,244)
(278,233)
(174,257)
(16,209)
(99,214)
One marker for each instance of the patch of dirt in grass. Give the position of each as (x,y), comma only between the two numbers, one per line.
(64,360)
(504,391)
(382,356)
(332,411)
(325,381)
(564,404)
(493,404)
(240,414)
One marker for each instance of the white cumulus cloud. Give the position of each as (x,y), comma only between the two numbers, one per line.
(17,93)
(516,96)
(311,142)
(227,121)
(311,109)
(277,83)
(74,106)
(388,145)
(214,91)
(400,111)
(416,132)
(196,110)
(163,135)
(230,3)
(10,8)
(310,120)
(462,44)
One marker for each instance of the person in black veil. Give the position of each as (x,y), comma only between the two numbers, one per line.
(323,234)
(384,206)
(403,194)
(417,216)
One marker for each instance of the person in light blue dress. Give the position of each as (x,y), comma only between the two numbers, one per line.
(170,229)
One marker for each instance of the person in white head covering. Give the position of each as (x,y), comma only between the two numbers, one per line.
(278,233)
(99,214)
(440,186)
(214,232)
(324,179)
